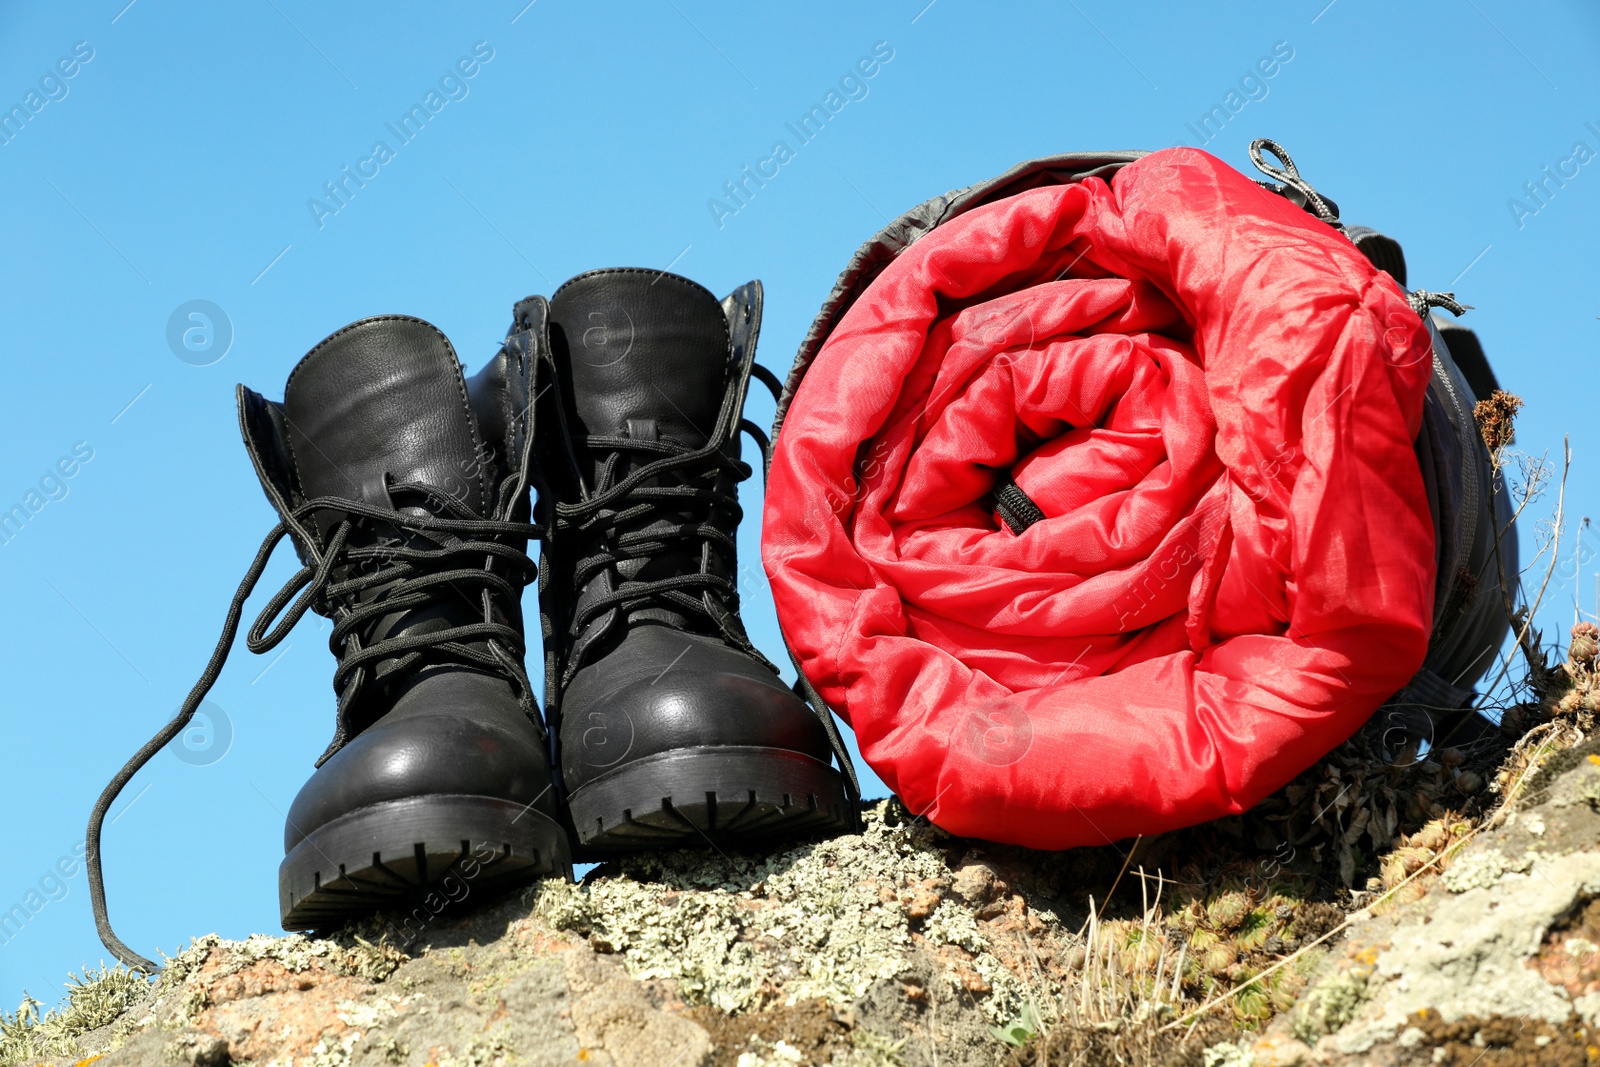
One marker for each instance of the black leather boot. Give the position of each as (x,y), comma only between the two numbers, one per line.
(405,490)
(673,729)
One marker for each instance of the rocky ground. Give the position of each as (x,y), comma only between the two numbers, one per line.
(1443,910)
(1497,963)
(899,945)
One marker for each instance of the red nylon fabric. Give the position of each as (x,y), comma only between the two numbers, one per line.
(1212,397)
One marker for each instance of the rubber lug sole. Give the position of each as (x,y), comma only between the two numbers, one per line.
(743,796)
(403,852)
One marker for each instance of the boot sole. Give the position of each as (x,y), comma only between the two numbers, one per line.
(744,796)
(421,853)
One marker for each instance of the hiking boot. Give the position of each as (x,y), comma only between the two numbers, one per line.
(673,730)
(405,490)
(422,479)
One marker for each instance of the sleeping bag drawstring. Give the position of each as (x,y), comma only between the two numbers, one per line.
(1326,210)
(1289,175)
(1423,299)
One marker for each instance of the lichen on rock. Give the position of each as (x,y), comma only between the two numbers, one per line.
(1480,870)
(824,919)
(1329,1006)
(94,999)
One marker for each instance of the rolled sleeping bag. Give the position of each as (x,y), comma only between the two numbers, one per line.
(1097,503)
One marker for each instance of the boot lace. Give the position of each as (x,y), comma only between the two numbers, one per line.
(692,476)
(697,474)
(410,577)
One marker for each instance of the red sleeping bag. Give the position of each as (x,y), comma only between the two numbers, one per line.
(1211,397)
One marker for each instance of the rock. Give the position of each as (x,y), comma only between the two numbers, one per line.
(858,944)
(1499,954)
(611,1011)
(976,883)
(923,899)
(902,945)
(201,1050)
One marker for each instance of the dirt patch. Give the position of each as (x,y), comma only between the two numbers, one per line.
(1570,954)
(810,1027)
(1499,1042)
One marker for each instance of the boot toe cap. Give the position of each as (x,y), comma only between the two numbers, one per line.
(426,747)
(679,693)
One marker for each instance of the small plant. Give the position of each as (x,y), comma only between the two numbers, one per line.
(1021,1030)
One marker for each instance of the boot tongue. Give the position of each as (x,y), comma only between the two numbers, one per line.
(382,403)
(644,353)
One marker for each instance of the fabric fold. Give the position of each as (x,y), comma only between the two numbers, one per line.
(1211,397)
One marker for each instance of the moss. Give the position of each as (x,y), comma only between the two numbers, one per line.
(1326,1008)
(872,1049)
(101,998)
(94,1000)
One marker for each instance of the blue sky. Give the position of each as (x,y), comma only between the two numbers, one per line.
(183,157)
